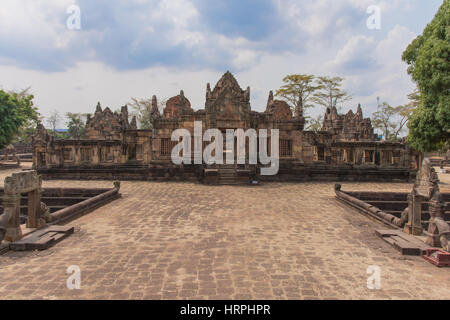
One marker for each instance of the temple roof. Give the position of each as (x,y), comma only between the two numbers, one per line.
(177,105)
(227,80)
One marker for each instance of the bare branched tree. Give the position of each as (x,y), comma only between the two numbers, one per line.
(330,93)
(53,121)
(142,110)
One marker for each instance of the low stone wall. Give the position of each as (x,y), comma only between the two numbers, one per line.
(91,199)
(20,148)
(196,173)
(79,209)
(387,206)
(8,166)
(367,208)
(342,173)
(187,173)
(68,203)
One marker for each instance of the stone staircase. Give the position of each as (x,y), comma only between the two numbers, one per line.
(227,175)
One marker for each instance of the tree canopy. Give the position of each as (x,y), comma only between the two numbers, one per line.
(428,57)
(391,120)
(16,110)
(76,124)
(330,94)
(297,90)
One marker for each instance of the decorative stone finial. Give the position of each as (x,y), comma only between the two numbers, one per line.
(154,103)
(359,109)
(182,98)
(208,91)
(99,108)
(298,113)
(247,93)
(133,123)
(269,102)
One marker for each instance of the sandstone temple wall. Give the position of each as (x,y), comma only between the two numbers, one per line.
(113,147)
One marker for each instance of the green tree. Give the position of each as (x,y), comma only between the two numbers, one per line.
(414,98)
(27,130)
(428,57)
(76,124)
(330,92)
(297,90)
(391,120)
(16,110)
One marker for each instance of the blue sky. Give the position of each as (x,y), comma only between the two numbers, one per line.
(137,48)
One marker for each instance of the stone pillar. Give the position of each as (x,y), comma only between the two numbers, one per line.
(11,205)
(414,225)
(34,210)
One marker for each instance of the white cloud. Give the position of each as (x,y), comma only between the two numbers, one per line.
(387,78)
(357,55)
(20,19)
(321,37)
(82,86)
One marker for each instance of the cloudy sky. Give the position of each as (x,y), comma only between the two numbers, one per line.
(138,48)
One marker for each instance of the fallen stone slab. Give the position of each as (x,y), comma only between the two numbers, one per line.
(403,242)
(42,239)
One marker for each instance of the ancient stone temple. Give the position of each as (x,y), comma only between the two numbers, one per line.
(114,148)
(348,127)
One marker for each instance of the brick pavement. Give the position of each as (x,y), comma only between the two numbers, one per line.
(190,241)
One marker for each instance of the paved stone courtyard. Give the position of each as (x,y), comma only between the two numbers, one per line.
(190,241)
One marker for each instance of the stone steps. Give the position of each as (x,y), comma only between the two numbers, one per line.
(227,175)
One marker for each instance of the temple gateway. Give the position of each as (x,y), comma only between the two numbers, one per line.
(346,149)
